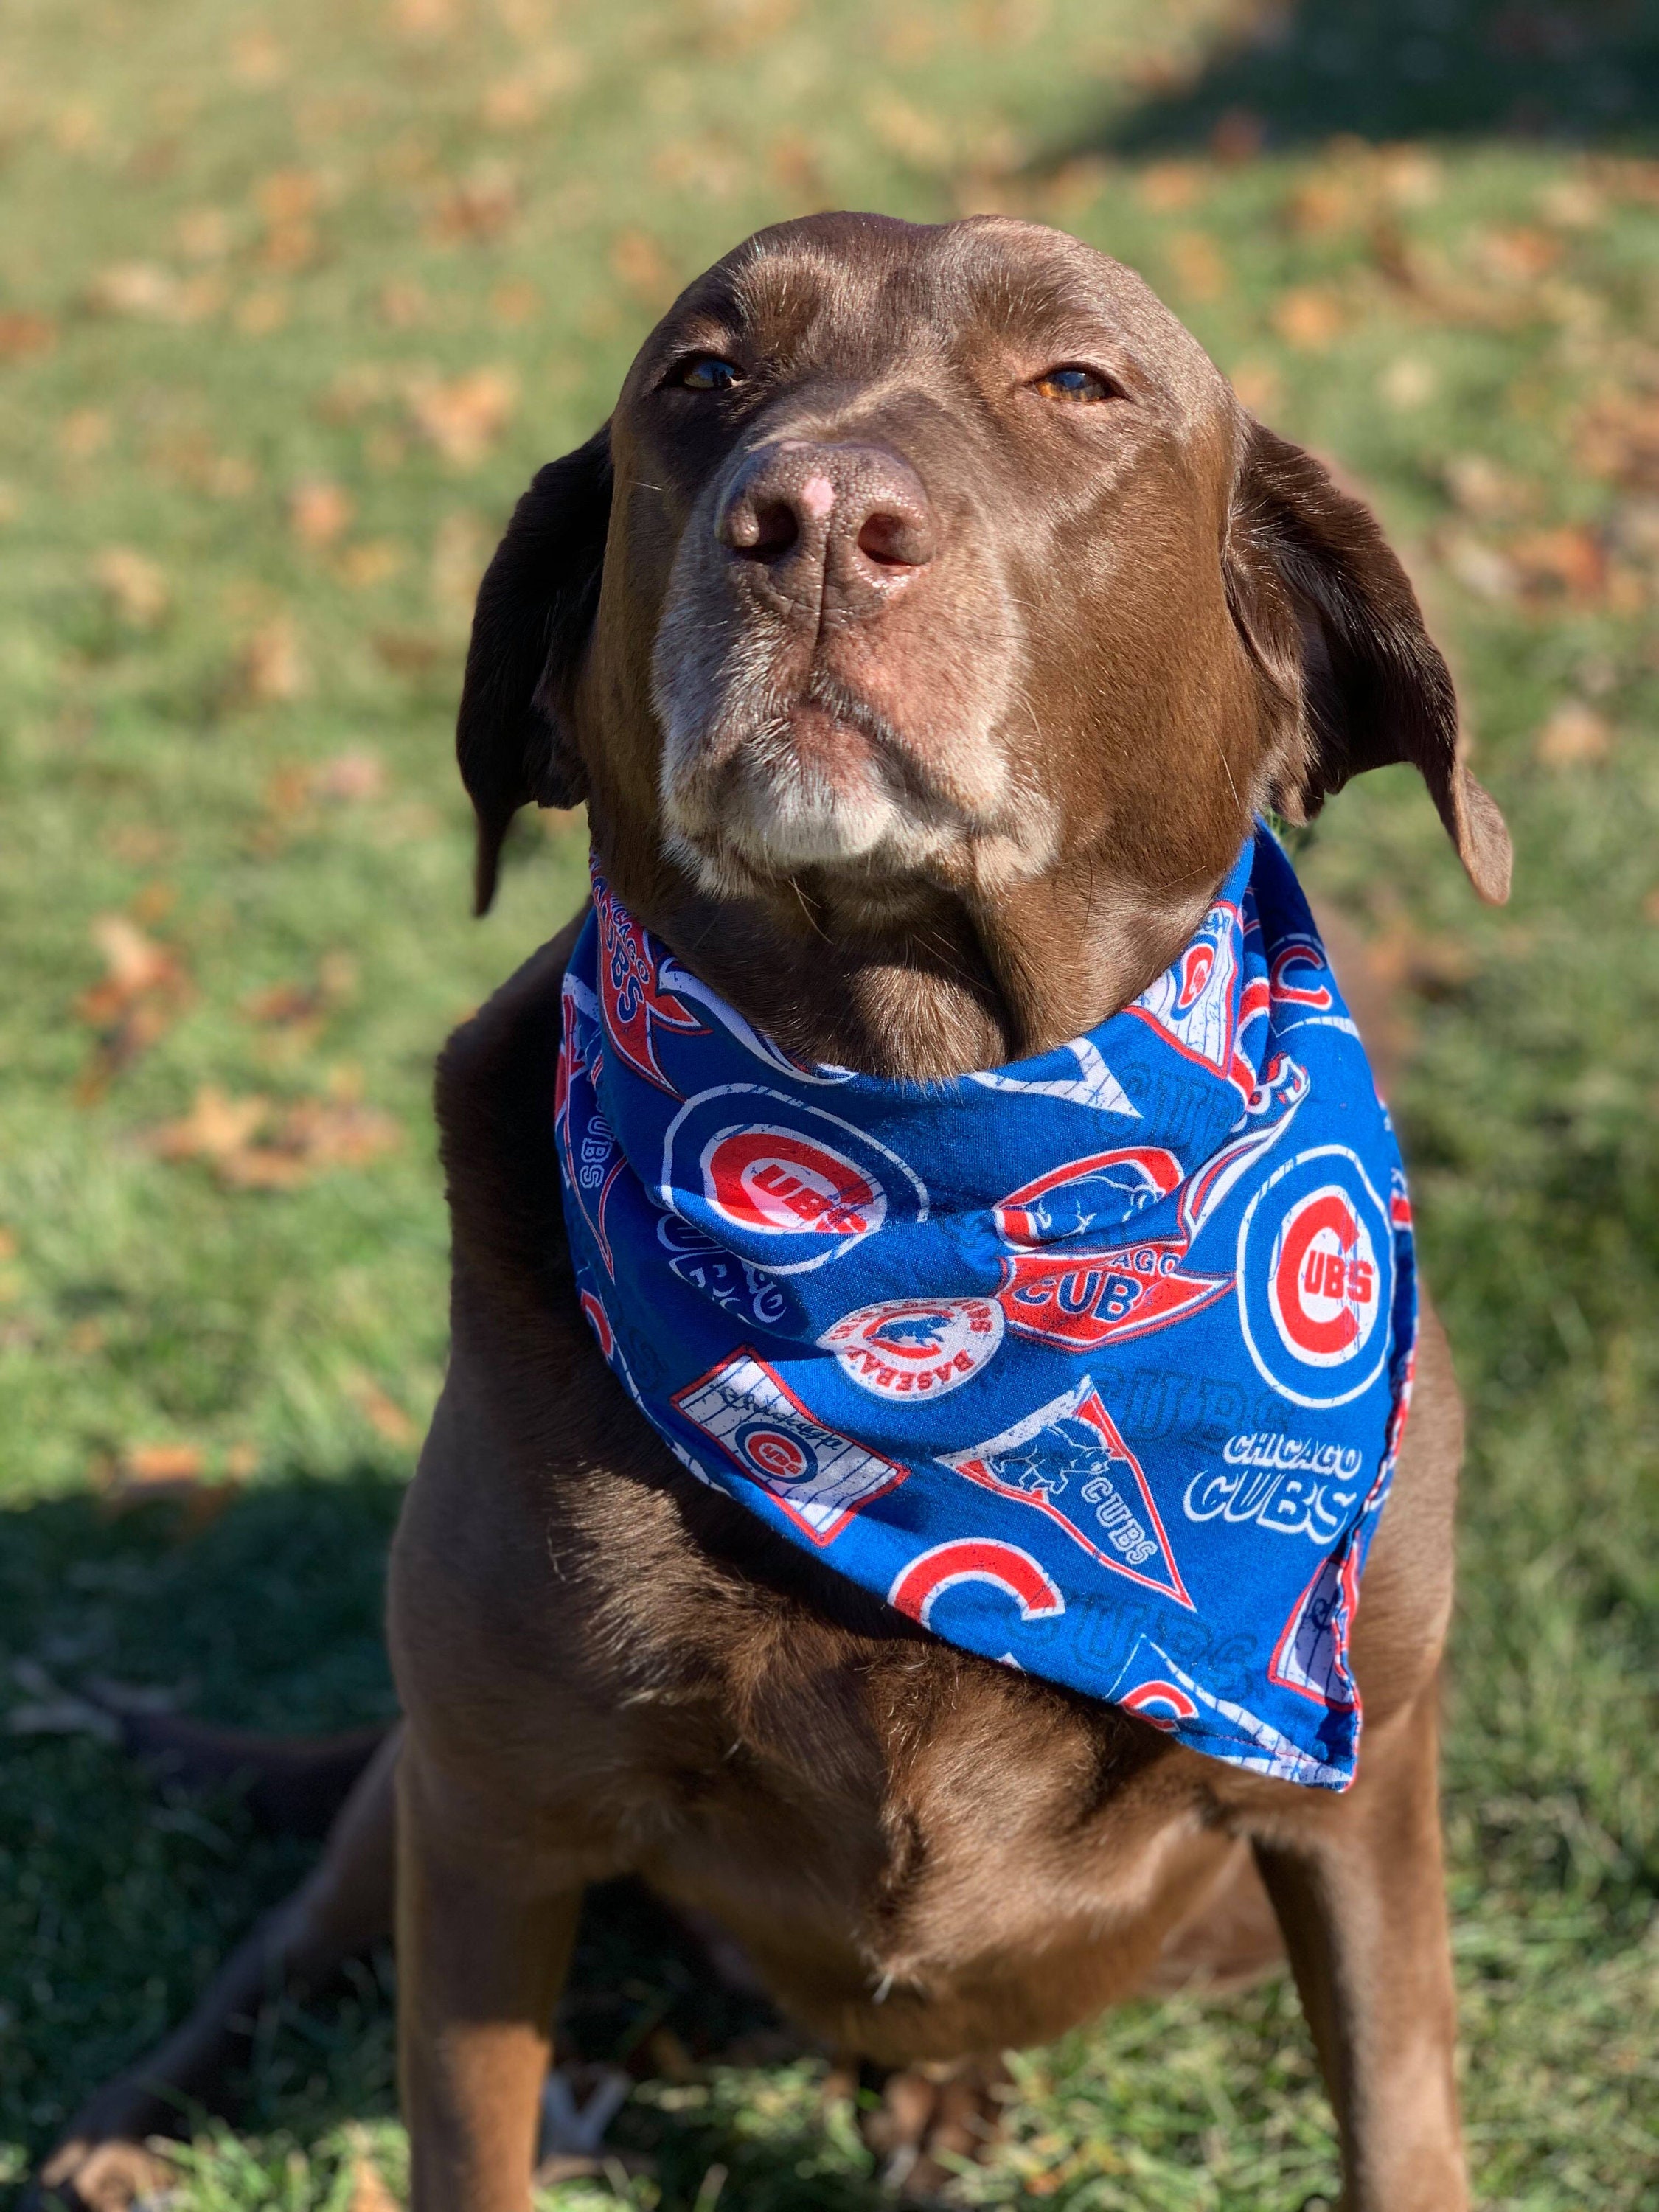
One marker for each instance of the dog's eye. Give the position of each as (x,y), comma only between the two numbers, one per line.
(705,372)
(1074,384)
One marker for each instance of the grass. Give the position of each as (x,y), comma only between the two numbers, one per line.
(291,304)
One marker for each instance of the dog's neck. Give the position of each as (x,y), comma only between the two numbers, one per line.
(928,984)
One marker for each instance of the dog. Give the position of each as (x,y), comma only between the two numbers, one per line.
(924,632)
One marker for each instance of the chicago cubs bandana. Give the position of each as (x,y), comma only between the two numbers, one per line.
(1096,1364)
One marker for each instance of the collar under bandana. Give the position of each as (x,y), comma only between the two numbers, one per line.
(1096,1364)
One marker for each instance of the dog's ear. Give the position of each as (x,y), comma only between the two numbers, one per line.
(535,609)
(1352,678)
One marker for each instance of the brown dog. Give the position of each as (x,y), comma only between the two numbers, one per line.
(923,632)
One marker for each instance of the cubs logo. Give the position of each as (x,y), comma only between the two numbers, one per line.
(1193,1005)
(818,1477)
(1293,976)
(1311,1656)
(1321,1280)
(1316,1278)
(1072,1448)
(634,1004)
(918,1587)
(777,1182)
(1102,1193)
(915,1347)
(1083,1299)
(1165,1705)
(783,1190)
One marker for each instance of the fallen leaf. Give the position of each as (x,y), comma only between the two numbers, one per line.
(460,548)
(1200,268)
(23,335)
(1574,736)
(142,289)
(515,303)
(270,667)
(355,774)
(134,585)
(215,1127)
(1571,560)
(477,207)
(1481,488)
(1407,382)
(1308,318)
(1480,568)
(1572,203)
(921,140)
(1324,203)
(242,1462)
(463,416)
(363,566)
(256,58)
(319,510)
(141,994)
(1520,255)
(407,653)
(1166,187)
(638,262)
(1650,904)
(83,432)
(261,313)
(142,1463)
(204,233)
(403,305)
(384,1414)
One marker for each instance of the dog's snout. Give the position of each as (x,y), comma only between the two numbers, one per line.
(849,522)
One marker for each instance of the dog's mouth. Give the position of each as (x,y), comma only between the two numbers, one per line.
(817,777)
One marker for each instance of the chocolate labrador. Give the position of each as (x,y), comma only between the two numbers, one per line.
(923,632)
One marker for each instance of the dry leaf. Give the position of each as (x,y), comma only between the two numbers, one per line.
(134,585)
(515,303)
(142,289)
(1168,186)
(406,654)
(1308,318)
(638,262)
(270,667)
(477,207)
(1481,488)
(355,774)
(261,313)
(256,58)
(204,233)
(1517,256)
(23,335)
(465,416)
(140,994)
(403,304)
(1571,560)
(1481,569)
(1258,385)
(1407,382)
(460,548)
(83,432)
(373,561)
(912,136)
(161,1463)
(215,1127)
(320,510)
(1200,271)
(1574,736)
(384,1414)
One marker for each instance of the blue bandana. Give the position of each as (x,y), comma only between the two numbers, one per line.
(1096,1364)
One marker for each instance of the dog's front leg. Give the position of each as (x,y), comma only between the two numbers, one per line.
(484,1940)
(1358,1887)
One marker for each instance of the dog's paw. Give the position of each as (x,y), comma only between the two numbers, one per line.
(112,2175)
(924,2122)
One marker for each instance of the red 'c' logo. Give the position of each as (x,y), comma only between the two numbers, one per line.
(782,1184)
(1322,1285)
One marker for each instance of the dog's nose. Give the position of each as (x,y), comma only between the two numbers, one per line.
(850,523)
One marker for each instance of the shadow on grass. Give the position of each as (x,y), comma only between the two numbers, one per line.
(1385,70)
(119,1897)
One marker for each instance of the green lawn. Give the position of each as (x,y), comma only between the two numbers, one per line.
(292,301)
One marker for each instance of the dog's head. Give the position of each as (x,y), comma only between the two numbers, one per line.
(944,557)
